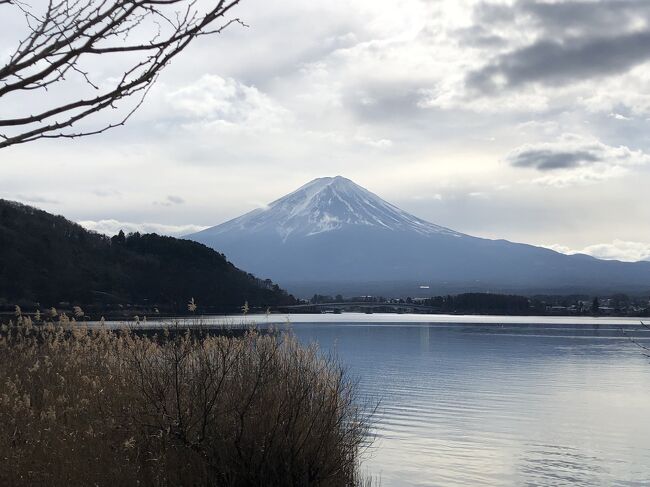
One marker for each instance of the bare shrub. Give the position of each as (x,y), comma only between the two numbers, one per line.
(95,407)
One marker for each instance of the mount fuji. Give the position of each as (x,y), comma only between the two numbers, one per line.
(331,235)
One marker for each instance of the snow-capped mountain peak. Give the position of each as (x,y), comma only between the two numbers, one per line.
(334,236)
(324,205)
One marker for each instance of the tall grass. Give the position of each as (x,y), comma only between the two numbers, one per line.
(85,406)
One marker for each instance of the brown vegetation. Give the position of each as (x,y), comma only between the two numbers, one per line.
(85,406)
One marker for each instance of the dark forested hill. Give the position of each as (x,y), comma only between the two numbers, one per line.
(47,259)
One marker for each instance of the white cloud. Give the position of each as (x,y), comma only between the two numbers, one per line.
(618,116)
(628,93)
(219,102)
(617,250)
(376,143)
(112,227)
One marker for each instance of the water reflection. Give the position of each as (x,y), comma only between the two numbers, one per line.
(506,406)
(424,337)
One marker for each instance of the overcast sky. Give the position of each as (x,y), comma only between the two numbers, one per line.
(522,120)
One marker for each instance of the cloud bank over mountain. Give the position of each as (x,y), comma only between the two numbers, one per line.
(617,250)
(113,227)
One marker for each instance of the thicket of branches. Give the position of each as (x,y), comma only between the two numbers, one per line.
(80,407)
(62,36)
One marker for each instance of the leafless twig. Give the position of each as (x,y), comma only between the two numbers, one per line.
(645,348)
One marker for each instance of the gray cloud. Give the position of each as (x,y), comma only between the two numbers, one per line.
(170,200)
(385,101)
(565,18)
(494,13)
(559,62)
(582,17)
(569,41)
(547,160)
(176,200)
(478,36)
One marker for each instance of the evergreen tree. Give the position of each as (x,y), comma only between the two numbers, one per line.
(595,306)
(119,239)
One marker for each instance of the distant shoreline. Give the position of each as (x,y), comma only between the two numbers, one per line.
(378,319)
(239,322)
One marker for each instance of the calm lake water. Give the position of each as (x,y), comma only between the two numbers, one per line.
(540,405)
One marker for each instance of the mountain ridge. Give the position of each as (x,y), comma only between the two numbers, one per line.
(333,231)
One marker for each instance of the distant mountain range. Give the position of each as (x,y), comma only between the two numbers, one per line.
(47,259)
(331,235)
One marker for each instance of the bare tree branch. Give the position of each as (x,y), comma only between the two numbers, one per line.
(145,35)
(635,341)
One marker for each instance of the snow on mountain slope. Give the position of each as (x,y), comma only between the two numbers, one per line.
(324,205)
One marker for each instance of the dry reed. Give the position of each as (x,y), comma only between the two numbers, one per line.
(83,406)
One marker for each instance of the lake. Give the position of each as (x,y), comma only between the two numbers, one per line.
(563,402)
